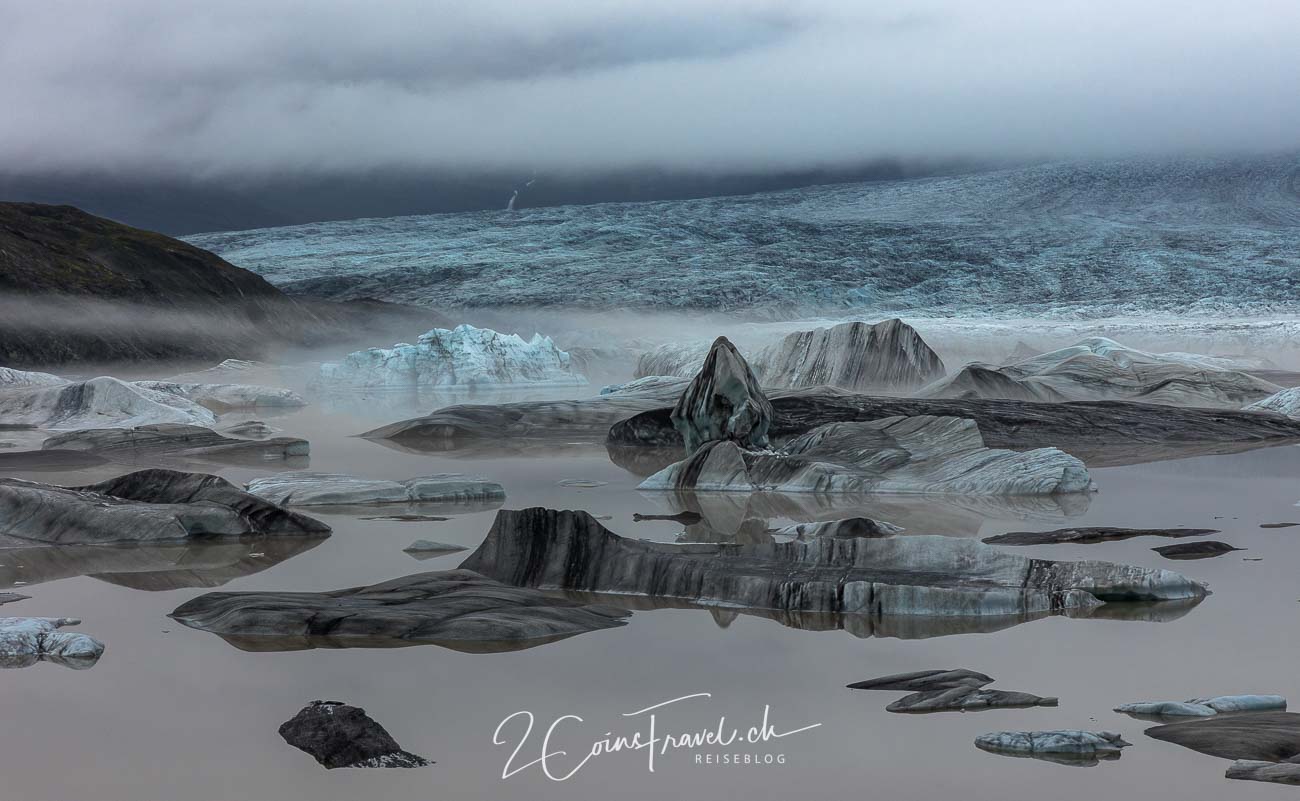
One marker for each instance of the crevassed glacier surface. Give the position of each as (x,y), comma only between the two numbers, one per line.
(1122,237)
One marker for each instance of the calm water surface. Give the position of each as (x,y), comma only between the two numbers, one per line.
(174,714)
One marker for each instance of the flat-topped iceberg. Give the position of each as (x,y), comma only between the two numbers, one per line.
(463,357)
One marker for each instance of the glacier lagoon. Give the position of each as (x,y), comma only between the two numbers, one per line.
(224,703)
(1191,255)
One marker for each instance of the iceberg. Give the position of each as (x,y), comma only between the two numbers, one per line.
(463,357)
(1102,369)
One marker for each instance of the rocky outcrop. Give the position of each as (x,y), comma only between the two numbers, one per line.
(462,357)
(180,443)
(456,609)
(1286,402)
(903,455)
(99,403)
(854,356)
(1101,433)
(79,288)
(1262,736)
(1091,535)
(1068,746)
(1205,707)
(949,691)
(24,641)
(335,489)
(723,403)
(1196,550)
(145,506)
(341,736)
(1102,369)
(913,575)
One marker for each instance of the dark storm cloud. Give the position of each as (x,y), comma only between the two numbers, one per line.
(237,87)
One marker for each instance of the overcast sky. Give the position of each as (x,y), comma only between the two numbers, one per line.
(225,87)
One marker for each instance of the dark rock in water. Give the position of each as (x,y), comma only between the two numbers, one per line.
(427,549)
(853,356)
(685,518)
(174,441)
(24,641)
(144,506)
(897,455)
(1101,433)
(149,567)
(12,597)
(723,403)
(1092,535)
(456,609)
(1278,525)
(1064,747)
(1263,736)
(921,575)
(341,736)
(949,691)
(1195,550)
(1256,771)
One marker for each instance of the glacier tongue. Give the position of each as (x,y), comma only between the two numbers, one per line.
(461,357)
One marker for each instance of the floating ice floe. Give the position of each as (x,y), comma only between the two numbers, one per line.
(1068,746)
(337,489)
(24,641)
(1206,707)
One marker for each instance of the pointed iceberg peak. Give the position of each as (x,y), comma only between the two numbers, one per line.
(723,402)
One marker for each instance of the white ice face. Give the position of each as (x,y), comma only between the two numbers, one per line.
(461,357)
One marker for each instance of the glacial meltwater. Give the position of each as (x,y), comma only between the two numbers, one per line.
(177,714)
